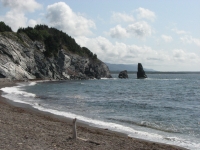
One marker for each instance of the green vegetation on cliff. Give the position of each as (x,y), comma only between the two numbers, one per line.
(55,40)
(4,27)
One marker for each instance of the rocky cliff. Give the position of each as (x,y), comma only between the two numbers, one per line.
(23,58)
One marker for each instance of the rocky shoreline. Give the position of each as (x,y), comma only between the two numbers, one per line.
(25,128)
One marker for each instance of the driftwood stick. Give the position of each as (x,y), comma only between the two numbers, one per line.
(86,140)
(74,129)
(74,136)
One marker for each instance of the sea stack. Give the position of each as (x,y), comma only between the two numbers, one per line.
(141,74)
(123,74)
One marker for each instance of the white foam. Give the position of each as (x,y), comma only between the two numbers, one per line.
(109,78)
(38,81)
(16,93)
(163,79)
(183,143)
(16,90)
(15,98)
(76,96)
(32,83)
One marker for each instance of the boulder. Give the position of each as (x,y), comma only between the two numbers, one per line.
(123,74)
(141,74)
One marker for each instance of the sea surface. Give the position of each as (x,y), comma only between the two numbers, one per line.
(162,108)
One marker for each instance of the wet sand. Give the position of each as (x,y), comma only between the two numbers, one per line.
(22,127)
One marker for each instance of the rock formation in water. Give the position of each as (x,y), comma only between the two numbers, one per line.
(141,74)
(23,58)
(123,74)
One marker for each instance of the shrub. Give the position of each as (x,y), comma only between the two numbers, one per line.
(54,39)
(4,27)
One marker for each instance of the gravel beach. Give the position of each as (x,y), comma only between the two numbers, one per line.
(24,128)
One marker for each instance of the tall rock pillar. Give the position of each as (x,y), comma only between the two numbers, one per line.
(141,74)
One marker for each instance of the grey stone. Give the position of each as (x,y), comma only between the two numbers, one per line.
(123,74)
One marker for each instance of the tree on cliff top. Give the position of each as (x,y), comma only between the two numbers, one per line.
(4,27)
(54,40)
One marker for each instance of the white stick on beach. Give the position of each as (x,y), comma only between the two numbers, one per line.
(74,129)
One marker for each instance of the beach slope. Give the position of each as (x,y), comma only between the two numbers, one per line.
(24,128)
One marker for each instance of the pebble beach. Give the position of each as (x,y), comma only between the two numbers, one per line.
(25,128)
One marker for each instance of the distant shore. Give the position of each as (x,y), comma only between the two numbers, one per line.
(161,72)
(23,127)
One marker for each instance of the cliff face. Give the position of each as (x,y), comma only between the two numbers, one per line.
(22,58)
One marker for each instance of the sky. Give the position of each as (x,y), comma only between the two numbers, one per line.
(163,35)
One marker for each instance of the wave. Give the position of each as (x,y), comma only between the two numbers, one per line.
(32,83)
(109,78)
(75,96)
(160,127)
(17,91)
(164,79)
(17,94)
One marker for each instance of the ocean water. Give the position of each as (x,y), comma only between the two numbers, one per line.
(162,108)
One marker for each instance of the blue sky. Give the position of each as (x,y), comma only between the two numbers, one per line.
(163,35)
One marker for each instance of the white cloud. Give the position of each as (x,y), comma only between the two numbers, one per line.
(181,55)
(166,38)
(122,17)
(32,23)
(121,53)
(179,31)
(145,13)
(21,5)
(186,37)
(61,16)
(196,41)
(140,29)
(16,18)
(190,40)
(118,32)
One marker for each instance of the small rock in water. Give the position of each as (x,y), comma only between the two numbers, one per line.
(123,74)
